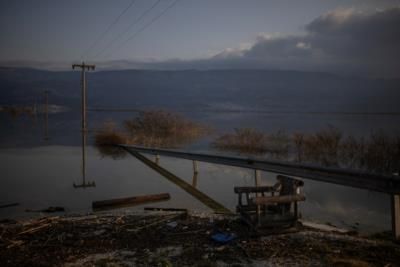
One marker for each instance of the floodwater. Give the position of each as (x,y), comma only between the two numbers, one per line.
(37,174)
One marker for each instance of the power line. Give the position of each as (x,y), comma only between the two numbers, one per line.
(128,28)
(108,29)
(147,25)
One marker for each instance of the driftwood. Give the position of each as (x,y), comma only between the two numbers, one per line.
(129,201)
(35,229)
(15,243)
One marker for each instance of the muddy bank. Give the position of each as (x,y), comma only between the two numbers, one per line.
(178,239)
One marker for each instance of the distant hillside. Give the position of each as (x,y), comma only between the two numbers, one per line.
(214,89)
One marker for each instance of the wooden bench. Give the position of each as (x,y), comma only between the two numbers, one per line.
(270,206)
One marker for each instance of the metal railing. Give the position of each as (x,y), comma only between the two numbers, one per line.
(375,182)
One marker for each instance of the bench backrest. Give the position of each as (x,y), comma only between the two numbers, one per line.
(288,185)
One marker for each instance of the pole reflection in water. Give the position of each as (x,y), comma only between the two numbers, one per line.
(46,116)
(84,184)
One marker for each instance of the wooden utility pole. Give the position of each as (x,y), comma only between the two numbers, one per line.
(83,68)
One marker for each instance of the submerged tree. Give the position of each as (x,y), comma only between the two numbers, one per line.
(151,129)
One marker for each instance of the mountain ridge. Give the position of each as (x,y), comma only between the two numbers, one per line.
(271,89)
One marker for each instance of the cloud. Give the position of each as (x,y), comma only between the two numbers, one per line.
(343,40)
(340,41)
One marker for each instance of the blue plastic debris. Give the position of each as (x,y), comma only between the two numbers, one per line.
(223,238)
(172,224)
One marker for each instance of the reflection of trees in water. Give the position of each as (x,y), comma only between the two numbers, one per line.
(112,151)
(379,152)
(16,111)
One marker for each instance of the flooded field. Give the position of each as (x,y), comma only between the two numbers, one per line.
(38,174)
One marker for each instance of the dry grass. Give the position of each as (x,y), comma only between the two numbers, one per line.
(352,152)
(378,153)
(244,140)
(328,147)
(382,153)
(323,146)
(299,144)
(278,144)
(251,141)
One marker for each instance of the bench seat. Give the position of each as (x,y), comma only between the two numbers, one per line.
(277,199)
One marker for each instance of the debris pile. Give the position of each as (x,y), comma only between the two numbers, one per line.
(178,239)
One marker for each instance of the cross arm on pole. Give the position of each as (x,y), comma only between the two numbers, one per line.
(83,66)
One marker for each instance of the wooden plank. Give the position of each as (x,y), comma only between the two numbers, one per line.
(324,227)
(129,201)
(381,183)
(278,199)
(396,216)
(206,200)
(165,209)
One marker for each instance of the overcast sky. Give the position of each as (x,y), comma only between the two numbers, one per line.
(338,35)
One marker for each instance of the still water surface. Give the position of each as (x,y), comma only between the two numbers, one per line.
(45,177)
(40,174)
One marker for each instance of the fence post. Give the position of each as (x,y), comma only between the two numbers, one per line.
(257,178)
(195,167)
(396,216)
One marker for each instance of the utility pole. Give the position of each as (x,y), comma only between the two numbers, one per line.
(83,68)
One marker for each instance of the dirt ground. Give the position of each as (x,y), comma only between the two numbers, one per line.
(178,239)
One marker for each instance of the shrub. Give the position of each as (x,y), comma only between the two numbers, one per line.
(162,129)
(107,137)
